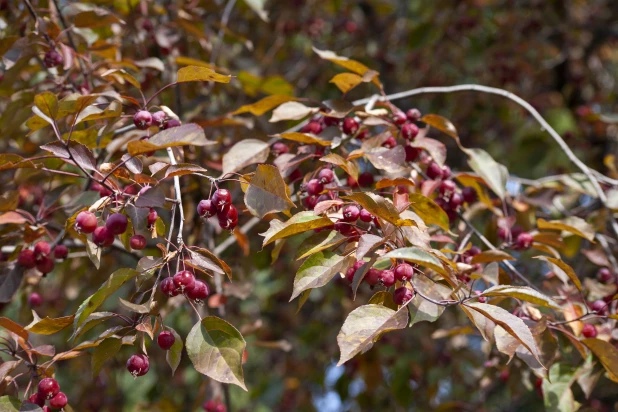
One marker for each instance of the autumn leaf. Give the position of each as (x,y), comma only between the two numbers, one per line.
(267,192)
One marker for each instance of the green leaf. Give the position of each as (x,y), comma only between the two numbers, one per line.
(299,223)
(318,242)
(94,253)
(557,393)
(607,355)
(201,74)
(174,354)
(495,174)
(267,192)
(10,404)
(215,347)
(133,307)
(105,350)
(523,293)
(422,310)
(245,153)
(318,270)
(364,325)
(378,206)
(568,270)
(115,281)
(90,322)
(428,210)
(49,326)
(418,256)
(47,103)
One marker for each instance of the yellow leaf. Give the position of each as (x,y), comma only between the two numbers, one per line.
(303,138)
(566,268)
(571,224)
(201,74)
(346,81)
(263,105)
(607,354)
(351,65)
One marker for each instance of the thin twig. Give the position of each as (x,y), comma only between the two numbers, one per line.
(179,238)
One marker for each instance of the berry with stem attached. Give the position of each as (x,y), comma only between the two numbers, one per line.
(86,222)
(387,278)
(589,331)
(403,272)
(184,280)
(205,208)
(137,242)
(102,236)
(158,118)
(152,217)
(326,175)
(168,288)
(314,187)
(221,198)
(42,248)
(59,401)
(138,365)
(199,291)
(48,388)
(409,131)
(117,223)
(166,340)
(351,213)
(142,119)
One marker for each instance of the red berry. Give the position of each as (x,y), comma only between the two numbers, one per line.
(295,175)
(229,220)
(390,142)
(350,126)
(314,127)
(399,118)
(456,201)
(45,264)
(61,252)
(170,123)
(409,131)
(351,213)
(85,222)
(365,179)
(142,119)
(166,339)
(447,187)
(343,227)
(130,190)
(469,194)
(326,175)
(331,121)
(52,59)
(184,280)
(372,277)
(48,388)
(524,241)
(35,300)
(137,242)
(158,118)
(205,209)
(473,251)
(221,198)
(152,217)
(387,278)
(434,171)
(413,115)
(279,148)
(42,248)
(26,259)
(37,399)
(402,295)
(102,236)
(411,153)
(117,223)
(352,182)
(599,306)
(446,172)
(310,201)
(403,272)
(365,216)
(168,288)
(589,331)
(314,187)
(362,135)
(199,291)
(605,275)
(59,401)
(138,365)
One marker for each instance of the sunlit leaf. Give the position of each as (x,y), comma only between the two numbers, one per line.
(568,270)
(49,326)
(378,206)
(495,174)
(318,270)
(348,166)
(607,355)
(523,293)
(11,326)
(557,393)
(318,242)
(440,123)
(571,224)
(184,135)
(346,81)
(264,105)
(299,223)
(267,192)
(491,255)
(418,256)
(201,74)
(303,138)
(428,210)
(292,111)
(47,103)
(349,64)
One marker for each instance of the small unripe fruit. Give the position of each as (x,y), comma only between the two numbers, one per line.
(166,339)
(170,123)
(279,148)
(350,126)
(42,248)
(589,331)
(48,388)
(52,58)
(409,131)
(142,119)
(61,252)
(387,278)
(372,277)
(117,223)
(205,208)
(434,171)
(152,217)
(184,280)
(158,118)
(314,187)
(365,216)
(37,399)
(402,295)
(102,236)
(390,142)
(85,222)
(45,264)
(199,291)
(59,401)
(168,288)
(469,194)
(26,259)
(221,198)
(137,242)
(413,115)
(403,272)
(365,179)
(351,213)
(524,241)
(326,175)
(605,275)
(411,153)
(138,365)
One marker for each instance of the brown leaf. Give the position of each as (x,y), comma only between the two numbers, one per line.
(11,326)
(267,193)
(184,135)
(82,155)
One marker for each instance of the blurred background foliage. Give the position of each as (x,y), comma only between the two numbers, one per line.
(561,56)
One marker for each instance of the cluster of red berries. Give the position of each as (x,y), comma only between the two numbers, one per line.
(39,257)
(116,224)
(49,390)
(220,204)
(516,236)
(387,278)
(52,58)
(314,188)
(143,119)
(214,406)
(184,282)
